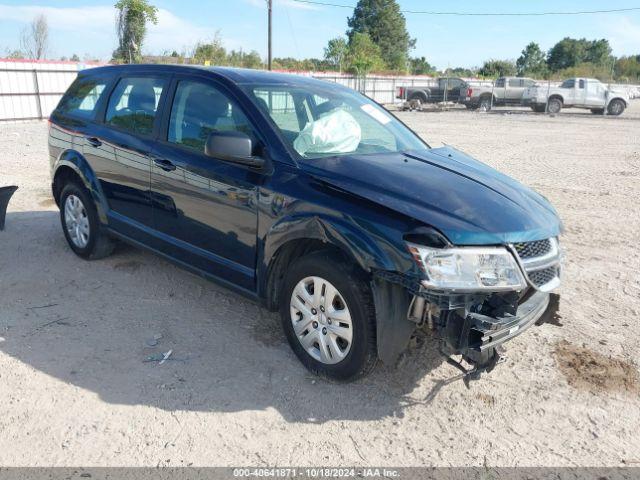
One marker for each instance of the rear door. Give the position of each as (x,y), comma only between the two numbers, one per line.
(514,91)
(499,90)
(120,151)
(205,209)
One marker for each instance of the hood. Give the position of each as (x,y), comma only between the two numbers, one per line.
(468,201)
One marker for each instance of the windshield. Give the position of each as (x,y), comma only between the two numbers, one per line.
(318,121)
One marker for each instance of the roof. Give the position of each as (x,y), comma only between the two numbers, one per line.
(235,75)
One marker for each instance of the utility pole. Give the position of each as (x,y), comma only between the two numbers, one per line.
(269,54)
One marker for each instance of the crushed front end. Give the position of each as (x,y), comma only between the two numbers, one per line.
(474,299)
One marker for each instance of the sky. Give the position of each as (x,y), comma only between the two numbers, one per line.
(87,27)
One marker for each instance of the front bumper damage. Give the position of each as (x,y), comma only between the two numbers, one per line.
(472,326)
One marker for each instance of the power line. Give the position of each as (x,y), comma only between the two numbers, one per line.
(493,14)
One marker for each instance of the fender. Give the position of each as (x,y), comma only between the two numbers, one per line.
(393,329)
(352,240)
(76,161)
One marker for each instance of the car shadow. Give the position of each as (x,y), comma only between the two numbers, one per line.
(104,326)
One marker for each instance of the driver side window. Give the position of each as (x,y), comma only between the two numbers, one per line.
(199,109)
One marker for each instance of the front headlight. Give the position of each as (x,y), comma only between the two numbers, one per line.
(468,269)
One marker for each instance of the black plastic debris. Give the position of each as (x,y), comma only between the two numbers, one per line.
(5,195)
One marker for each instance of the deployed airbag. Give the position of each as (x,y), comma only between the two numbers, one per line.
(335,132)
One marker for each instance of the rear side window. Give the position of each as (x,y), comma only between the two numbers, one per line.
(134,103)
(515,82)
(82,97)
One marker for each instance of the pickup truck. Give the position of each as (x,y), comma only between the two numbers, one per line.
(505,91)
(586,93)
(448,89)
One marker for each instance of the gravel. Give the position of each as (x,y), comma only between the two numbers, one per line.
(75,388)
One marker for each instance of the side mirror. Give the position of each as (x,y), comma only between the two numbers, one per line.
(233,147)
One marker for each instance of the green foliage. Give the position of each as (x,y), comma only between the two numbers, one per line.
(15,54)
(628,68)
(133,16)
(571,52)
(461,72)
(420,66)
(364,56)
(335,52)
(239,58)
(383,22)
(588,70)
(532,62)
(307,64)
(75,57)
(214,53)
(498,68)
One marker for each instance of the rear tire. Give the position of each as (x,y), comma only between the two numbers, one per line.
(80,224)
(554,106)
(328,316)
(485,104)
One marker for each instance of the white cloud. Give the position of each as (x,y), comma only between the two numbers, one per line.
(67,18)
(97,25)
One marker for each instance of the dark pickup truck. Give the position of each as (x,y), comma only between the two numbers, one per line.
(448,89)
(310,198)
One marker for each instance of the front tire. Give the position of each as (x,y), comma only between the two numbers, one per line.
(616,107)
(328,316)
(80,224)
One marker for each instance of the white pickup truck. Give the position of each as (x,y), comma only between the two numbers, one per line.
(586,93)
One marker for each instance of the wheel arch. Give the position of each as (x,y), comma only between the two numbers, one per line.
(72,166)
(422,95)
(556,96)
(622,99)
(293,237)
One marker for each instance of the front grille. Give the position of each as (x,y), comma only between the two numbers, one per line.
(533,249)
(544,276)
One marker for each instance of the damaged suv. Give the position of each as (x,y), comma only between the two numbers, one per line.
(311,199)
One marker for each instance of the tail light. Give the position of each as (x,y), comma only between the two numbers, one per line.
(469,91)
(400,92)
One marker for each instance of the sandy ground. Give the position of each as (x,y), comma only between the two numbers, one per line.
(75,390)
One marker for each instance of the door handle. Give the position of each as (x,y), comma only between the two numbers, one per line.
(95,142)
(165,165)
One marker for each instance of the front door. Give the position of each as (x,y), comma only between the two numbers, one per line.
(205,209)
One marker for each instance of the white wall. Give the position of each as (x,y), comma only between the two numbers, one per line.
(19,100)
(21,80)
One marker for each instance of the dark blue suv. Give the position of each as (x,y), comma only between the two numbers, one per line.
(310,198)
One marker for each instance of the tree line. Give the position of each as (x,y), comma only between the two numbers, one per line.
(376,40)
(569,57)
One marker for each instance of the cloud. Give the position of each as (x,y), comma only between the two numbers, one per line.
(67,18)
(96,24)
